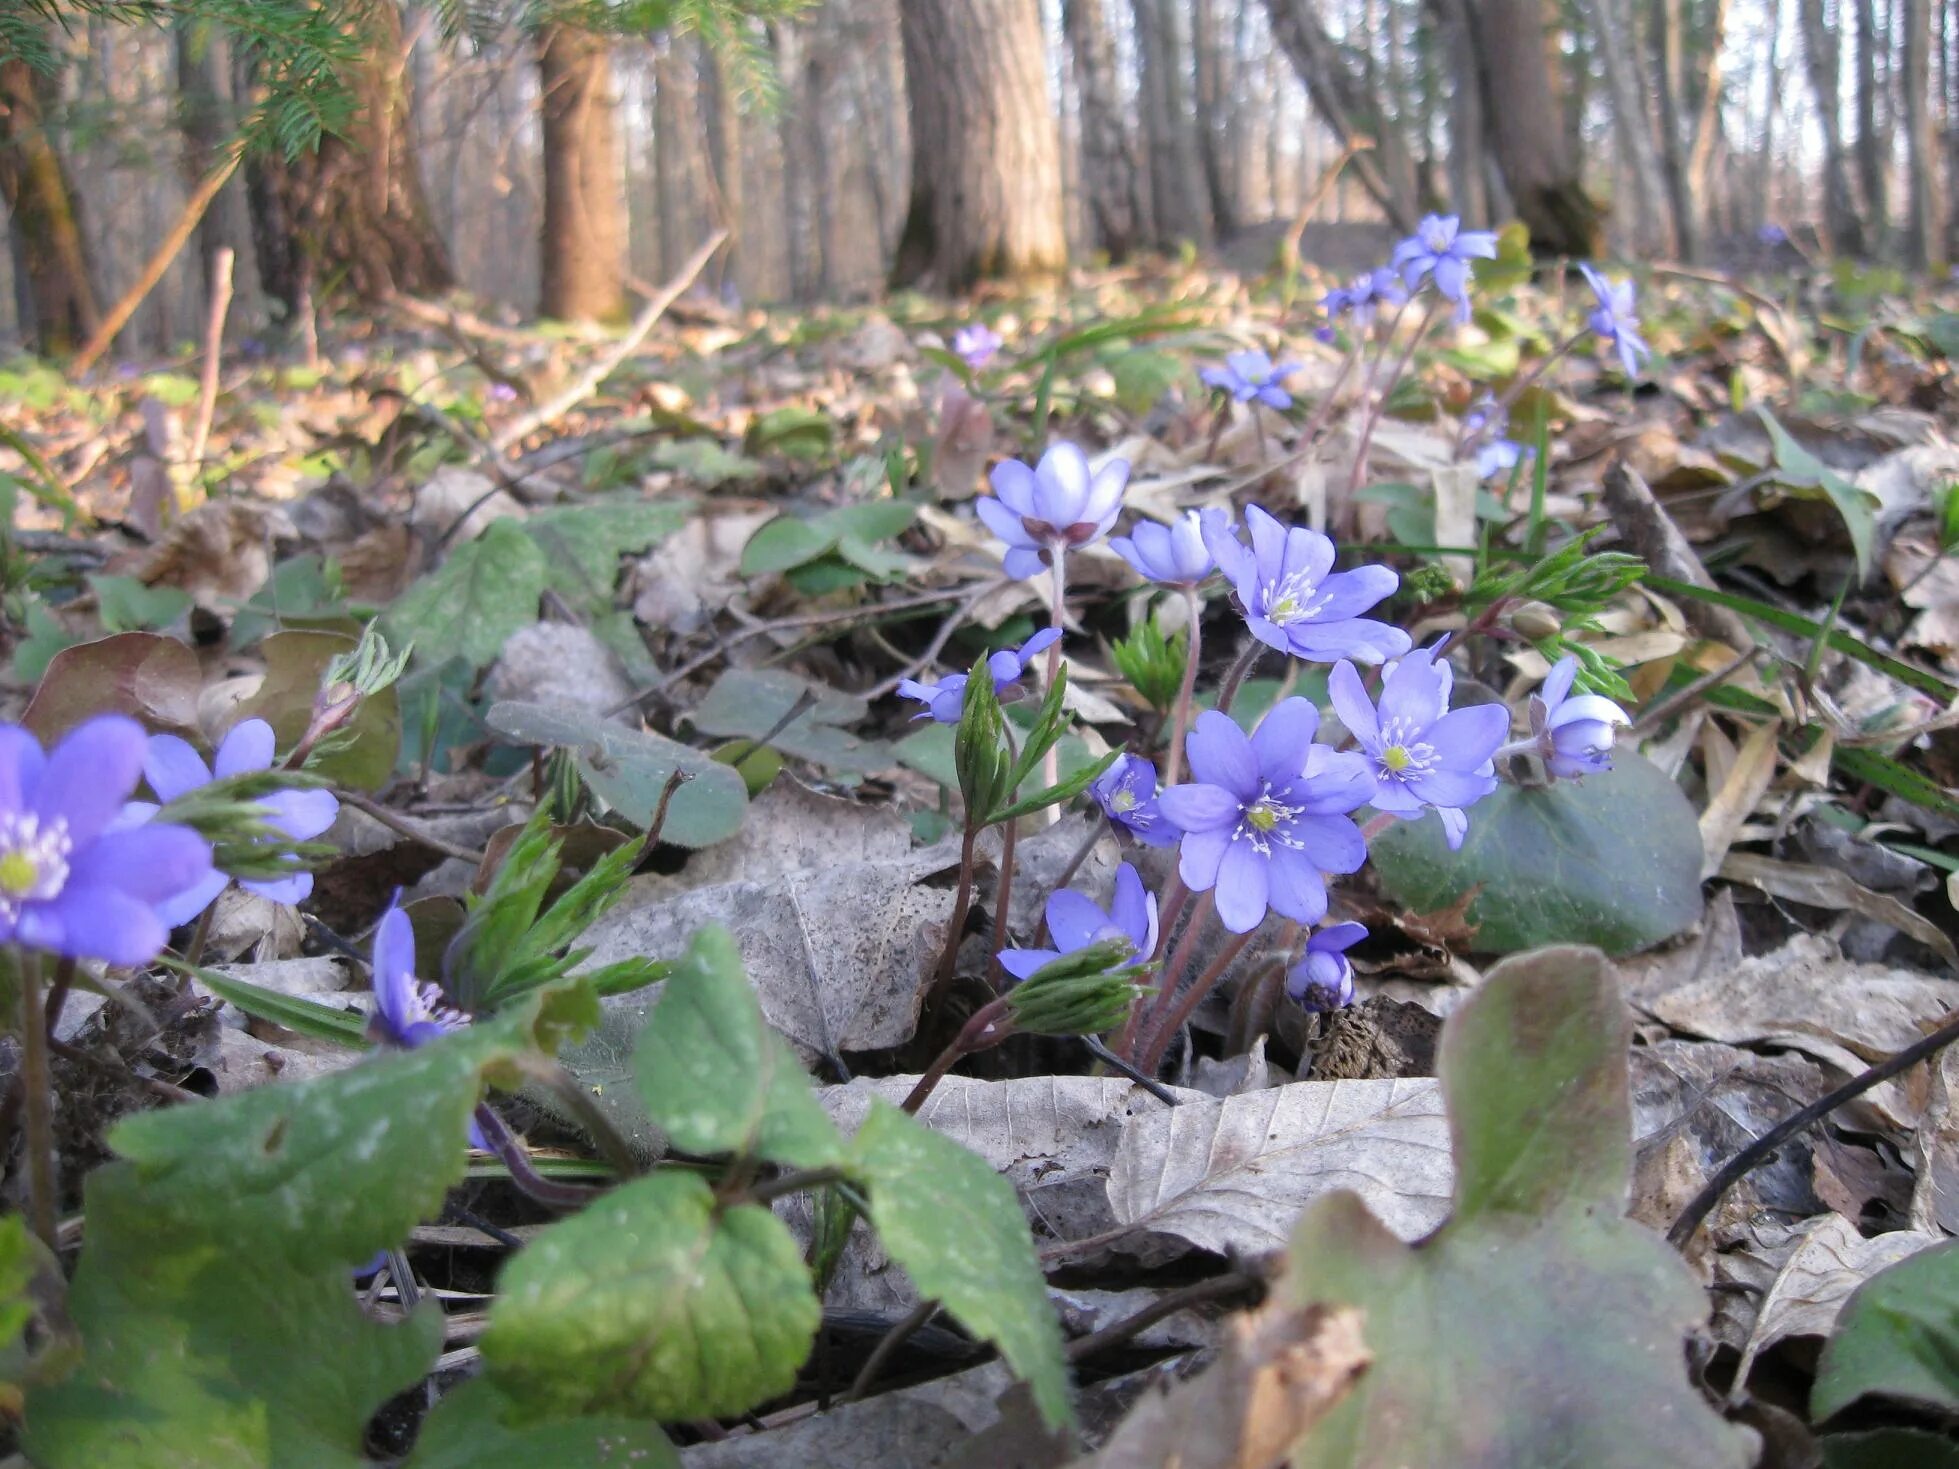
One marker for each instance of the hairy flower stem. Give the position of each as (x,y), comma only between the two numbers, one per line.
(1324,409)
(38,1100)
(1379,822)
(199,937)
(1377,405)
(1002,902)
(505,1144)
(611,1143)
(1173,759)
(1143,1018)
(1058,613)
(58,987)
(1235,676)
(983,1031)
(961,905)
(1151,1055)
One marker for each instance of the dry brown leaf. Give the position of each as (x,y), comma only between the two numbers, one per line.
(1825,887)
(1747,782)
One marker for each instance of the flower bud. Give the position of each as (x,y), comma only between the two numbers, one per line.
(1536,621)
(1085,992)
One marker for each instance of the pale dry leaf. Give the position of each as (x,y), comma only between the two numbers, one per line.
(1280,1371)
(1830,1260)
(1232,1176)
(1934,1153)
(455,493)
(1747,781)
(1825,887)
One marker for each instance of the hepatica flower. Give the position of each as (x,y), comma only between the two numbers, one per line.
(1052,508)
(1421,753)
(1265,817)
(1293,599)
(70,882)
(174,768)
(1075,922)
(1251,374)
(945,700)
(1441,250)
(1573,732)
(1615,319)
(1126,792)
(975,344)
(408,1012)
(1484,426)
(1174,555)
(1324,979)
(1364,299)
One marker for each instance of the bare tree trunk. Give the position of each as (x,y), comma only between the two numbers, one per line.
(1669,87)
(679,158)
(208,120)
(1178,208)
(48,242)
(1342,100)
(721,113)
(1707,130)
(584,236)
(1823,60)
(1214,117)
(1921,141)
(1652,203)
(1110,168)
(1468,165)
(986,153)
(1873,134)
(1524,106)
(818,165)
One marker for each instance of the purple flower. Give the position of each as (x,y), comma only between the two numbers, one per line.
(72,882)
(1483,428)
(1250,374)
(1076,922)
(1053,507)
(945,700)
(1498,456)
(174,768)
(408,1012)
(1772,234)
(502,392)
(1324,979)
(1442,250)
(1126,792)
(1370,291)
(1421,753)
(1265,818)
(1574,733)
(1294,600)
(976,344)
(1615,320)
(1174,555)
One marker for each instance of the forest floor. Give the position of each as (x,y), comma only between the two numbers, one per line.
(741,540)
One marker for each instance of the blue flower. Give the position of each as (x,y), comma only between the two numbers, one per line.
(73,881)
(976,344)
(408,1011)
(1126,792)
(1174,555)
(173,768)
(1051,508)
(1422,753)
(1251,374)
(1442,250)
(1369,292)
(945,700)
(1323,980)
(1265,817)
(1293,599)
(1075,922)
(1615,320)
(1483,429)
(1574,733)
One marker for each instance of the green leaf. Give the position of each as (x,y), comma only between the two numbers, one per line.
(126,605)
(956,1227)
(1798,469)
(1064,790)
(717,1078)
(628,769)
(470,605)
(1537,1326)
(302,1017)
(1897,1337)
(583,543)
(798,433)
(295,666)
(205,1352)
(1889,1448)
(46,636)
(653,1302)
(473,1427)
(753,702)
(16,1269)
(1612,860)
(704,462)
(1897,778)
(1142,375)
(784,543)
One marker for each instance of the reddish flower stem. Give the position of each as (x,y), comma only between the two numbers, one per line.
(1173,759)
(978,1034)
(1151,1055)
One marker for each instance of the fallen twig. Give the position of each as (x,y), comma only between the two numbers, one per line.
(407,827)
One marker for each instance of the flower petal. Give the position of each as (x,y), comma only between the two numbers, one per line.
(1330,843)
(1283,739)
(1199,856)
(1349,593)
(1351,703)
(1025,963)
(180,908)
(1337,938)
(1336,782)
(1452,787)
(302,815)
(1133,909)
(172,767)
(1241,888)
(1412,694)
(1105,490)
(94,923)
(1221,755)
(1001,519)
(1061,485)
(249,746)
(1238,564)
(1199,807)
(90,774)
(288,890)
(1074,920)
(1294,887)
(1013,483)
(1358,638)
(21,763)
(394,970)
(1022,562)
(1466,738)
(148,862)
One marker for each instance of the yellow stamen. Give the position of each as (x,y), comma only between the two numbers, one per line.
(1261,818)
(1395,758)
(18,874)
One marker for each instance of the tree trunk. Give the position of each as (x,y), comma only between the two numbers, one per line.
(1524,107)
(1651,201)
(1110,169)
(1214,115)
(1873,135)
(208,119)
(1921,141)
(986,153)
(50,256)
(1707,131)
(679,158)
(1823,62)
(584,242)
(1469,193)
(1343,102)
(1177,204)
(721,110)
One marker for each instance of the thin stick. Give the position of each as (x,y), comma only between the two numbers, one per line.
(1051,761)
(961,905)
(207,387)
(1759,1151)
(1144,1019)
(587,382)
(407,827)
(1656,714)
(1198,1293)
(889,1343)
(156,1086)
(37,1085)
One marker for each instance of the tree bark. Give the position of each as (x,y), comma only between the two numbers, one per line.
(1652,203)
(1921,140)
(584,242)
(680,159)
(1823,61)
(986,152)
(1177,204)
(721,110)
(1524,107)
(1873,135)
(49,248)
(1707,131)
(1469,192)
(1110,169)
(1214,115)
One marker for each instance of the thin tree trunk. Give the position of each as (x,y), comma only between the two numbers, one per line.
(986,153)
(1652,202)
(679,158)
(1214,116)
(1468,165)
(1921,141)
(1873,136)
(584,235)
(1707,129)
(1823,61)
(1110,169)
(721,113)
(49,243)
